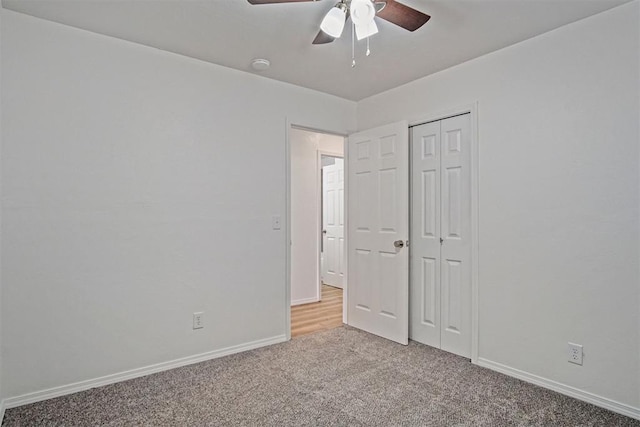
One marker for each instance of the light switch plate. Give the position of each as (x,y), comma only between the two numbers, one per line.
(275,222)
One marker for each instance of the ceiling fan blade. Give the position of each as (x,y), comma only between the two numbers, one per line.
(323,38)
(276,1)
(403,16)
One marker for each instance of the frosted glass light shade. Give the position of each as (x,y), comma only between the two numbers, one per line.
(366,30)
(333,22)
(363,13)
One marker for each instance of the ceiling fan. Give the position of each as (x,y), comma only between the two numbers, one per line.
(362,14)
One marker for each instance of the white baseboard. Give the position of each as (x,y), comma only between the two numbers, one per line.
(304,301)
(585,396)
(37,396)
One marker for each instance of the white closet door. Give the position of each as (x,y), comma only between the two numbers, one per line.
(378,227)
(440,286)
(456,235)
(424,290)
(333,223)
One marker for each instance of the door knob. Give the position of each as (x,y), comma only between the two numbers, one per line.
(324,231)
(398,244)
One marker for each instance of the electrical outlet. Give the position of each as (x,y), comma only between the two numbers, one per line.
(575,353)
(275,222)
(198,320)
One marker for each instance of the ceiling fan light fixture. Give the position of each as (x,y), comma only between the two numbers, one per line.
(366,30)
(363,13)
(333,22)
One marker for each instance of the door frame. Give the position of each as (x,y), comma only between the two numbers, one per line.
(327,153)
(294,124)
(471,109)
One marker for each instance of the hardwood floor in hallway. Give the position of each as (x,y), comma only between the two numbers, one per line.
(318,316)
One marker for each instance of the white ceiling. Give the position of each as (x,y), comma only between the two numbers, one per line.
(233,32)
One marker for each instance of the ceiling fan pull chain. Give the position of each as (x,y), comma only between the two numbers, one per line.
(353,45)
(368,50)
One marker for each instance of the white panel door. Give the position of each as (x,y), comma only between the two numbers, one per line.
(456,235)
(440,288)
(333,224)
(424,287)
(378,227)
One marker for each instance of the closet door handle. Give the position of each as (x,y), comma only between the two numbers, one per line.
(398,244)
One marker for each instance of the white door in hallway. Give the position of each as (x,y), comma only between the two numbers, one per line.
(333,224)
(378,228)
(440,284)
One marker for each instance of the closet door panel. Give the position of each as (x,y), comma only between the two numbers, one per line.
(424,292)
(456,236)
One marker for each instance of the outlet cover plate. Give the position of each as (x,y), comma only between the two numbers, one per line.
(575,353)
(198,320)
(275,222)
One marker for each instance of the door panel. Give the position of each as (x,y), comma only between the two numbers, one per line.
(451,289)
(456,246)
(426,298)
(452,203)
(425,235)
(429,216)
(333,223)
(363,269)
(378,188)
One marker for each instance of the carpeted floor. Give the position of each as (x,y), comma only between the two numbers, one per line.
(337,377)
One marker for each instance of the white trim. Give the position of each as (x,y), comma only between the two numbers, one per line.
(472,109)
(475,232)
(2,408)
(50,393)
(287,228)
(345,279)
(585,396)
(319,214)
(305,301)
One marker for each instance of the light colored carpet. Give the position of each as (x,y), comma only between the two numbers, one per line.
(337,377)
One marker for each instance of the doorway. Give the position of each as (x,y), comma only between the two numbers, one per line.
(316,230)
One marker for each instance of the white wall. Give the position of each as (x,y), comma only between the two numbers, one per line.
(305,210)
(138,185)
(558,190)
(138,188)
